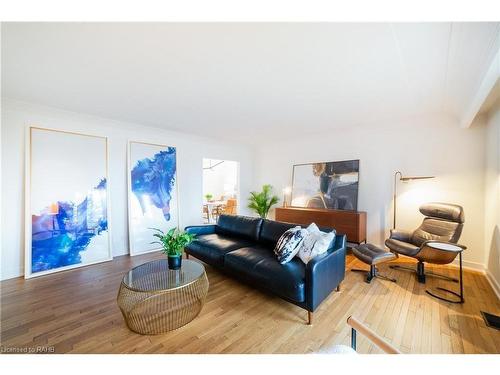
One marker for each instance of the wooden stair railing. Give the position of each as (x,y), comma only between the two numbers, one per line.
(357,326)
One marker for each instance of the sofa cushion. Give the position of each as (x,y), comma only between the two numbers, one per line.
(241,226)
(258,266)
(212,247)
(289,244)
(271,232)
(315,243)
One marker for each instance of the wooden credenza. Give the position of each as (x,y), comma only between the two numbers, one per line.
(350,223)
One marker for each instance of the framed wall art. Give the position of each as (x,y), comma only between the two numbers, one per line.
(67,202)
(152,193)
(330,185)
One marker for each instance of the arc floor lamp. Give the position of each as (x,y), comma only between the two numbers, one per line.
(404,179)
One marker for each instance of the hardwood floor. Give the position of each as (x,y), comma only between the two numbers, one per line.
(76,312)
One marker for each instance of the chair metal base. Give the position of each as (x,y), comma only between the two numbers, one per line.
(373,273)
(459,295)
(444,277)
(421,274)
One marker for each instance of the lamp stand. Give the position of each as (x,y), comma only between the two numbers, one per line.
(395,197)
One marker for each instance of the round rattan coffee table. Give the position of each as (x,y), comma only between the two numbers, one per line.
(154,299)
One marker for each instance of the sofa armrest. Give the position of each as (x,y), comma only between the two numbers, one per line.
(401,235)
(324,273)
(200,229)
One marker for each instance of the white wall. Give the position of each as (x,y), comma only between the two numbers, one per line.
(421,146)
(16,116)
(492,196)
(427,146)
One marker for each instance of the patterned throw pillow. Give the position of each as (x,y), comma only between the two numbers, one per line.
(315,243)
(289,244)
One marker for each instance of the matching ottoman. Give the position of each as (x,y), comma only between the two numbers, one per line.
(372,255)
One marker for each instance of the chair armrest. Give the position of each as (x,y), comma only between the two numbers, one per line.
(436,255)
(401,235)
(200,229)
(324,273)
(442,242)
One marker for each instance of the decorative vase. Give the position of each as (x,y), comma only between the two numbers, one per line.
(174,262)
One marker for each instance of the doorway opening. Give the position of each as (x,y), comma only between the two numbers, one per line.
(220,189)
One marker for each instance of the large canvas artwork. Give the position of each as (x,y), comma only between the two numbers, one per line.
(67,201)
(152,193)
(331,185)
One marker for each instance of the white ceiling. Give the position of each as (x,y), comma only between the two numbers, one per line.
(250,81)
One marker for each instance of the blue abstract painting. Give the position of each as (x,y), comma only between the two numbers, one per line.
(65,229)
(68,201)
(154,178)
(153,192)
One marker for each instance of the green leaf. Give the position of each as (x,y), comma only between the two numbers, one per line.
(173,241)
(158,230)
(262,202)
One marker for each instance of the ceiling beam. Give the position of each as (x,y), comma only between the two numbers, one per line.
(490,79)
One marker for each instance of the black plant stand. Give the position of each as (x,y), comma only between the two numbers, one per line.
(461,295)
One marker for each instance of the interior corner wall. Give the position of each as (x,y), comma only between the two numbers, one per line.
(428,146)
(492,196)
(17,116)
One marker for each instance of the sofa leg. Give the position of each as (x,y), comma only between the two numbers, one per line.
(309,318)
(187,256)
(338,288)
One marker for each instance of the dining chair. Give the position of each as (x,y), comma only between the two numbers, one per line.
(231,207)
(205,213)
(217,211)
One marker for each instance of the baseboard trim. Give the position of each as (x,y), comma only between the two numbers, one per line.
(10,276)
(494,283)
(474,266)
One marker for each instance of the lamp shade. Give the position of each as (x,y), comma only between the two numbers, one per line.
(411,178)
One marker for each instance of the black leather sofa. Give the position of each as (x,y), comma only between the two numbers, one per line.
(243,247)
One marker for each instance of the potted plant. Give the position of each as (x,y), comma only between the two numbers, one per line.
(173,243)
(208,197)
(262,202)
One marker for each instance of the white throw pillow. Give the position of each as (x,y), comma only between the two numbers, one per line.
(313,228)
(289,244)
(315,243)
